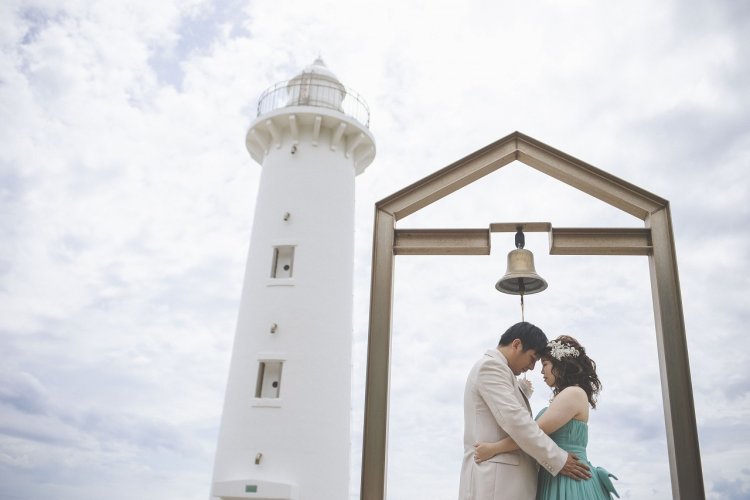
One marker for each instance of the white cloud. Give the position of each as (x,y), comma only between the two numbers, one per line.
(126,197)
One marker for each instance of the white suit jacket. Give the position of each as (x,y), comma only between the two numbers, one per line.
(495,408)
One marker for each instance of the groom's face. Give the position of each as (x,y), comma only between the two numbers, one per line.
(523,360)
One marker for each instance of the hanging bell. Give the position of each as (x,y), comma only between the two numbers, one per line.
(521,277)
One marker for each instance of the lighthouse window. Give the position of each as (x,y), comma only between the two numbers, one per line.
(283,260)
(269,379)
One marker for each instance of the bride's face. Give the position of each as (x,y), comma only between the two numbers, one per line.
(547,375)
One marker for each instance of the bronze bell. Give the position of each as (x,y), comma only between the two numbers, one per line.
(521,277)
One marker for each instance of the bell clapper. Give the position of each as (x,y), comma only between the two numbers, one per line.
(522,307)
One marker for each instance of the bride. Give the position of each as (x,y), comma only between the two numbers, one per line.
(572,376)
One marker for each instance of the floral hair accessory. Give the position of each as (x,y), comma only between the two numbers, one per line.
(558,350)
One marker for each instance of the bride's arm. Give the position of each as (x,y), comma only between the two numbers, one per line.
(485,451)
(571,402)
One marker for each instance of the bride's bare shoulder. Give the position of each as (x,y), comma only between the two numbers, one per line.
(573,392)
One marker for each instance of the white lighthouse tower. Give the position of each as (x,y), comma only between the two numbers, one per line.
(285,425)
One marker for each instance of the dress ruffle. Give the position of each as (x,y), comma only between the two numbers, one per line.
(604,478)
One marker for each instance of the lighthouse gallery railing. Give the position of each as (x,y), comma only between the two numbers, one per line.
(320,94)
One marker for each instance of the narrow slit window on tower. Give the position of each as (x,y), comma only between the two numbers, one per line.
(269,379)
(283,260)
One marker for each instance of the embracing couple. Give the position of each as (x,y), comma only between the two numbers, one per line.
(510,456)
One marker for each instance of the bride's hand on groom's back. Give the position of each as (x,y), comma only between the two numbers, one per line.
(483,452)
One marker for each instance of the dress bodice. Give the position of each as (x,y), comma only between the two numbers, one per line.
(572,437)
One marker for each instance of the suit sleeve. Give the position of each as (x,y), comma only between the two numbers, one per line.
(495,385)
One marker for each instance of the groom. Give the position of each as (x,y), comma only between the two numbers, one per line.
(495,408)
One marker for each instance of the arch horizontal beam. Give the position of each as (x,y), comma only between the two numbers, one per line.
(526,227)
(600,241)
(442,242)
(563,241)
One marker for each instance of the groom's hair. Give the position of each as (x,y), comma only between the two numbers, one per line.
(531,336)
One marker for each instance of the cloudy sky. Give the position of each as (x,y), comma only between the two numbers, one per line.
(126,204)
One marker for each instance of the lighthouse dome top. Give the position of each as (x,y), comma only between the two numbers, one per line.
(318,87)
(317,69)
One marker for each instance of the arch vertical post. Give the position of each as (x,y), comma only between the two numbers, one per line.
(375,435)
(674,367)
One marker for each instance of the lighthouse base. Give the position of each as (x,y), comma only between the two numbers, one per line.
(250,488)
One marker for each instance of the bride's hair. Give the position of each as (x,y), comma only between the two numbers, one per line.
(573,368)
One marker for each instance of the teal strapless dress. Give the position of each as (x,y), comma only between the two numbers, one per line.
(573,437)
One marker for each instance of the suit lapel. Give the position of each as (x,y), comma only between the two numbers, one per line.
(494,353)
(525,399)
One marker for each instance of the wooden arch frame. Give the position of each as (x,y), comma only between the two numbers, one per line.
(655,240)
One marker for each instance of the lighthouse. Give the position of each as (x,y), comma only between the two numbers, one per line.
(285,424)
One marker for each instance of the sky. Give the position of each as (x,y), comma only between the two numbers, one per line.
(127,197)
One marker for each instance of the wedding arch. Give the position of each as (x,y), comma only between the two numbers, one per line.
(655,240)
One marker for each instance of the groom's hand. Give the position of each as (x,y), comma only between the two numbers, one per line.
(575,469)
